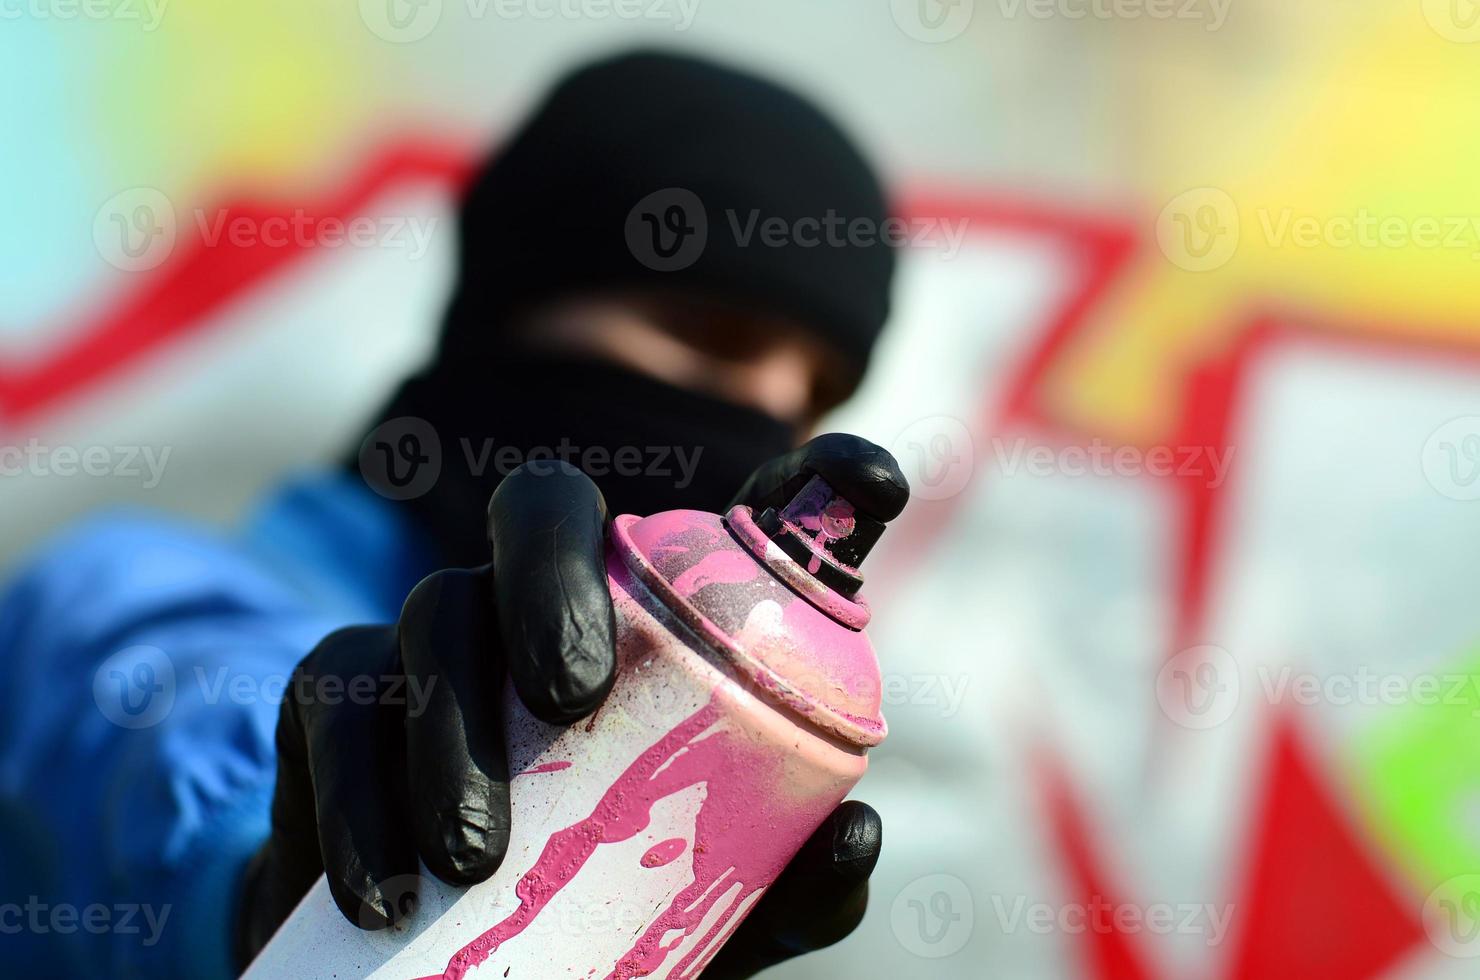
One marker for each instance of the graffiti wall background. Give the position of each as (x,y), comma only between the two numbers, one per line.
(1181,637)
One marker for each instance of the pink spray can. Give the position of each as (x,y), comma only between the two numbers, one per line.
(746,698)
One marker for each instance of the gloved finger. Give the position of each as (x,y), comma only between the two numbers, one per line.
(456,762)
(344,695)
(866,474)
(819,899)
(547,526)
(287,865)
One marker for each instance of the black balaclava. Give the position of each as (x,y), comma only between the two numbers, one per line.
(644,172)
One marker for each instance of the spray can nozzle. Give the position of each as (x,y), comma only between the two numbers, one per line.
(822,532)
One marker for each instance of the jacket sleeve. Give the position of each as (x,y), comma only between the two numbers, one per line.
(143,665)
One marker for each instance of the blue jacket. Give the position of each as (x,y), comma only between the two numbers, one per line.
(143,663)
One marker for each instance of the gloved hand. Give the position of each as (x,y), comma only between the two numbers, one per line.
(416,764)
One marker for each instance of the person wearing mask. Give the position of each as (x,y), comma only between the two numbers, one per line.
(145,765)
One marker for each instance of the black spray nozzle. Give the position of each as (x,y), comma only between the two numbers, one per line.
(825,534)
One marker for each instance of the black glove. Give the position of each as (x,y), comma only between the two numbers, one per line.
(407,758)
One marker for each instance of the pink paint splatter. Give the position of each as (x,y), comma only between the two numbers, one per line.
(735,843)
(835,523)
(664,852)
(547,767)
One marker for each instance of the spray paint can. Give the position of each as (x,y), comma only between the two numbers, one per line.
(746,698)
